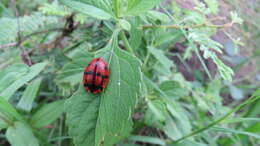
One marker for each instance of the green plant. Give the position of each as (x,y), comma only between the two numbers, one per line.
(148,99)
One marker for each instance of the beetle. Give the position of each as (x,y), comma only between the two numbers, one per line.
(96,76)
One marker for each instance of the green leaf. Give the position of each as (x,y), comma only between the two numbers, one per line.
(72,71)
(170,36)
(31,73)
(180,118)
(135,33)
(159,55)
(3,125)
(125,24)
(235,92)
(147,139)
(47,114)
(173,89)
(156,113)
(158,16)
(137,7)
(87,9)
(55,9)
(235,120)
(3,122)
(106,117)
(229,130)
(225,71)
(5,11)
(8,111)
(212,5)
(11,74)
(21,134)
(189,143)
(28,24)
(29,95)
(235,18)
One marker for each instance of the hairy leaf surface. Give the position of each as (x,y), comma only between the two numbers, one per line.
(106,118)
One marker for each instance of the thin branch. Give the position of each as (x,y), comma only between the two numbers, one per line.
(8,45)
(127,45)
(206,24)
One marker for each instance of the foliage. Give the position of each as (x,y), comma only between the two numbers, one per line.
(149,100)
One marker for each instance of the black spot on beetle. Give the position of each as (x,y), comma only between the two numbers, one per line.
(98,74)
(88,73)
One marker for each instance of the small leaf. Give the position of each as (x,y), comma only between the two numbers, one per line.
(125,24)
(230,48)
(8,111)
(156,113)
(156,15)
(235,18)
(159,55)
(180,118)
(11,74)
(147,139)
(137,7)
(236,93)
(87,9)
(212,5)
(32,72)
(173,89)
(47,114)
(225,71)
(29,95)
(21,134)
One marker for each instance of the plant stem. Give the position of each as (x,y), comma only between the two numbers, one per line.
(206,24)
(203,64)
(146,60)
(127,45)
(117,7)
(237,108)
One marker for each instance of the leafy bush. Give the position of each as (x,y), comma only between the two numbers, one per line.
(153,48)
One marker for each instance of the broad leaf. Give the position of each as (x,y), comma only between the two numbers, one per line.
(86,9)
(15,85)
(136,7)
(11,74)
(29,95)
(8,111)
(105,118)
(21,134)
(47,114)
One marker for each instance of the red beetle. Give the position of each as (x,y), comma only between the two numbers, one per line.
(96,76)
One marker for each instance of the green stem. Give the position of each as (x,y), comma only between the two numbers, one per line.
(127,45)
(249,100)
(117,8)
(203,64)
(146,60)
